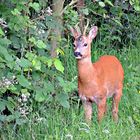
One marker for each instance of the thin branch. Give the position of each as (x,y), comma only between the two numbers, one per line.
(42,17)
(70,4)
(85,29)
(105,17)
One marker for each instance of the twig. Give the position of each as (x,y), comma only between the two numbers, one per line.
(42,17)
(70,4)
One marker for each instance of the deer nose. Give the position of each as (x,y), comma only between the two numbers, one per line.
(77,54)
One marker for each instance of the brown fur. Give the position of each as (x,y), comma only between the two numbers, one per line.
(97,81)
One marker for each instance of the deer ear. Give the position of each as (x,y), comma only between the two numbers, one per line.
(74,32)
(92,33)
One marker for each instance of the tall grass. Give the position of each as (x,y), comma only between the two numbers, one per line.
(68,124)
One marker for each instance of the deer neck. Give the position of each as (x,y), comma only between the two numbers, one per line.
(86,70)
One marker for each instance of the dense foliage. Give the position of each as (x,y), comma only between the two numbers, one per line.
(31,79)
(26,68)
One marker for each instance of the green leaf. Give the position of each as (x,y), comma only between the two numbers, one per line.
(30,56)
(24,91)
(39,96)
(102,4)
(43,59)
(58,65)
(61,81)
(2,65)
(4,51)
(12,88)
(32,39)
(13,117)
(23,81)
(6,54)
(4,42)
(10,104)
(36,76)
(137,8)
(85,11)
(67,86)
(59,51)
(49,62)
(2,105)
(36,64)
(15,12)
(2,60)
(1,31)
(131,2)
(20,121)
(116,38)
(2,118)
(65,104)
(35,6)
(49,87)
(51,22)
(40,44)
(109,2)
(118,22)
(63,100)
(25,63)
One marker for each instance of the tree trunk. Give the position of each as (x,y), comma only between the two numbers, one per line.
(56,33)
(80,5)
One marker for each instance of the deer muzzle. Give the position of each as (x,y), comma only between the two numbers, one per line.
(77,54)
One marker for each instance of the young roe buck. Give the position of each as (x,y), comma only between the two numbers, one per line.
(97,81)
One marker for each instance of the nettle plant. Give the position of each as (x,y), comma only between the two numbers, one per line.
(27,71)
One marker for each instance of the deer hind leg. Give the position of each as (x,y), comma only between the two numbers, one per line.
(101,109)
(115,104)
(88,111)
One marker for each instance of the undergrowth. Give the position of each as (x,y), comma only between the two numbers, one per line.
(57,123)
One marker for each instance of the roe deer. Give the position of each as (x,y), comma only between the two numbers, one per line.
(97,81)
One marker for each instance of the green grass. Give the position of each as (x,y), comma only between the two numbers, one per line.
(65,124)
(57,123)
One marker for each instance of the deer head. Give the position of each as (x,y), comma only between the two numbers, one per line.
(82,43)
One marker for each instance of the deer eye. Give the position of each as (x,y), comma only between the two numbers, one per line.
(85,45)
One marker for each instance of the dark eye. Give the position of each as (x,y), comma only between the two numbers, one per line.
(85,44)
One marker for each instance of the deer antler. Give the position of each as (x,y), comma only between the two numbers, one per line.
(77,28)
(84,33)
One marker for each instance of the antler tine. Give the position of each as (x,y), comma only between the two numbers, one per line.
(84,33)
(77,28)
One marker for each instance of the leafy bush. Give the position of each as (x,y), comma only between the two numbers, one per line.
(28,73)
